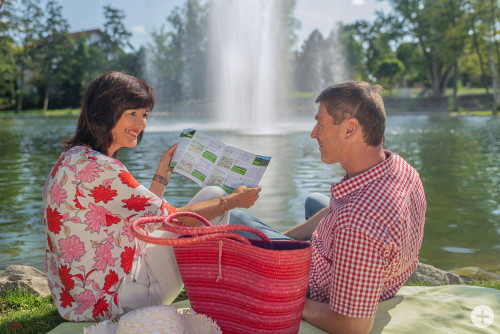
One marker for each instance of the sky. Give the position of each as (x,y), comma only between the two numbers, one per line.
(144,16)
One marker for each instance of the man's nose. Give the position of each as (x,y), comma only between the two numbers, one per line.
(314,132)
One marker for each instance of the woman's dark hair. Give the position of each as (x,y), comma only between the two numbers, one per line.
(103,103)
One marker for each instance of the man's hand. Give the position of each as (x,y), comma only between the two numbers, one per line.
(321,316)
(243,197)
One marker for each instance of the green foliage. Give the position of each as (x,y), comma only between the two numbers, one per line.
(388,69)
(40,63)
(116,35)
(440,29)
(7,60)
(23,312)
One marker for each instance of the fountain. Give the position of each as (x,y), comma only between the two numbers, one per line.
(246,63)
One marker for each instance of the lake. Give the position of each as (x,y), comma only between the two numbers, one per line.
(458,159)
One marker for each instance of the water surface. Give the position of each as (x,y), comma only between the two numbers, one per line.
(457,158)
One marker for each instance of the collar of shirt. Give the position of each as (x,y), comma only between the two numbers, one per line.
(347,186)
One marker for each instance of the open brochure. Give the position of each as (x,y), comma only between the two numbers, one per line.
(209,162)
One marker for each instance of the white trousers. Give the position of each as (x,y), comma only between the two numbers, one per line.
(154,278)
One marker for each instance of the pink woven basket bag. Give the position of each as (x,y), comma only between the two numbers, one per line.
(246,285)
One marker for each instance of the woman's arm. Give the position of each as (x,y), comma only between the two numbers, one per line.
(241,197)
(162,175)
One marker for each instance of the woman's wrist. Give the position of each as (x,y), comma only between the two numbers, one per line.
(161,179)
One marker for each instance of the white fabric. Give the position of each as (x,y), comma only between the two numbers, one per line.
(155,278)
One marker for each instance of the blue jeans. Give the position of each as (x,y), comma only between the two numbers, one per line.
(314,203)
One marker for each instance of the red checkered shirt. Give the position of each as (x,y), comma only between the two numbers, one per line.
(367,246)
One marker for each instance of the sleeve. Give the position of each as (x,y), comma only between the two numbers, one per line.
(357,273)
(89,205)
(127,198)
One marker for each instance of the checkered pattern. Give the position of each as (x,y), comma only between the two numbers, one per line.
(367,246)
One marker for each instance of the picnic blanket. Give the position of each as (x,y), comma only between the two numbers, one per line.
(441,309)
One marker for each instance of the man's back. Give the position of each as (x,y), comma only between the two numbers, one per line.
(367,246)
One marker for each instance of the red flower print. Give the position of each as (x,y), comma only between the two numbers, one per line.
(56,167)
(128,179)
(136,203)
(66,278)
(127,258)
(110,220)
(103,256)
(99,308)
(96,217)
(166,208)
(77,202)
(66,299)
(50,244)
(71,248)
(85,300)
(54,220)
(110,280)
(104,194)
(90,172)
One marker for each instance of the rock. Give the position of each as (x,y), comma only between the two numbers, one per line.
(24,277)
(427,274)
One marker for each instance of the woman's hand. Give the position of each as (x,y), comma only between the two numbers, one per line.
(162,175)
(165,160)
(243,197)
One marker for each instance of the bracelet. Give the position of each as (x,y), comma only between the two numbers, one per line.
(160,179)
(223,200)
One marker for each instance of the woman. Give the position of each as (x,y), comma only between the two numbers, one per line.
(95,267)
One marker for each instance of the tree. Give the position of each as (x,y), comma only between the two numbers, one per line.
(28,29)
(374,38)
(336,66)
(7,60)
(54,47)
(482,20)
(309,65)
(414,67)
(117,37)
(164,67)
(194,49)
(439,27)
(355,54)
(387,71)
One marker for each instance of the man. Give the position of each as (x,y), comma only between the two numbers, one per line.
(365,243)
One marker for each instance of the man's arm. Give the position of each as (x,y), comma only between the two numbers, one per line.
(305,230)
(320,315)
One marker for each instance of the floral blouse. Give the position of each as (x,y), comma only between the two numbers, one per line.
(89,202)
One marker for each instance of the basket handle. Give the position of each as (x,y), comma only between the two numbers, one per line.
(199,234)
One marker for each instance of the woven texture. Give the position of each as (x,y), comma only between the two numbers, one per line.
(246,286)
(151,319)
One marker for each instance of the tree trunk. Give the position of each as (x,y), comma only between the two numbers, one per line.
(21,90)
(46,99)
(480,57)
(494,87)
(455,100)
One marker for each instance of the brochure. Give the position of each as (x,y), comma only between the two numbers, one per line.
(209,162)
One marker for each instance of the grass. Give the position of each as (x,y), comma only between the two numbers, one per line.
(54,112)
(22,312)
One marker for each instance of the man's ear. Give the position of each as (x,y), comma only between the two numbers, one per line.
(351,127)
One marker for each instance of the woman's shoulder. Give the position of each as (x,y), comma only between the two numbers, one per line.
(86,154)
